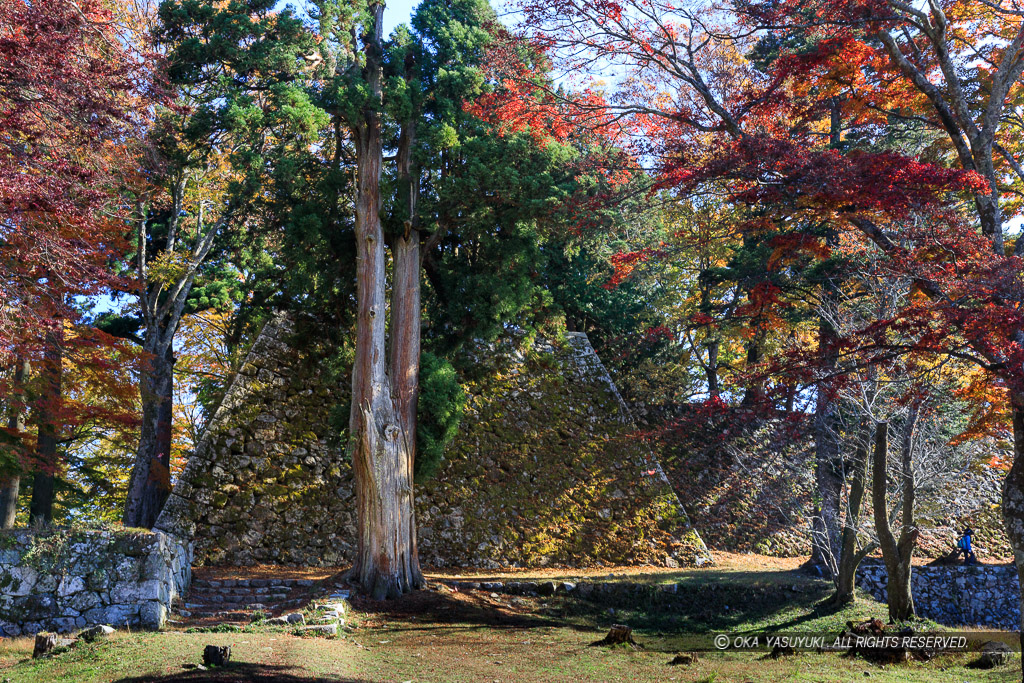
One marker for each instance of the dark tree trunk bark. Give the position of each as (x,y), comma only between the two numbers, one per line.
(826,528)
(850,557)
(1013,498)
(755,392)
(406,314)
(10,487)
(48,424)
(897,554)
(386,563)
(150,482)
(713,388)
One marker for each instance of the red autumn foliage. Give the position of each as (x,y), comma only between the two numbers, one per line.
(66,111)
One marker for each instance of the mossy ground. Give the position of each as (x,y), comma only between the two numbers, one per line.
(443,636)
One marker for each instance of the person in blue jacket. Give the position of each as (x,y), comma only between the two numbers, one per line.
(963,545)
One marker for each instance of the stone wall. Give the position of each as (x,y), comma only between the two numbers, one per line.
(264,485)
(546,469)
(749,484)
(64,580)
(984,596)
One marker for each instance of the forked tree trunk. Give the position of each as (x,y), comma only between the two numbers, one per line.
(11,485)
(48,425)
(897,554)
(151,476)
(1013,498)
(850,557)
(386,563)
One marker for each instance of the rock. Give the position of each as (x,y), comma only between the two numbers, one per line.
(320,629)
(284,619)
(216,655)
(547,588)
(93,632)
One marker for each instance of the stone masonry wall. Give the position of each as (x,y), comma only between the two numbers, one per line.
(983,596)
(749,485)
(65,580)
(545,470)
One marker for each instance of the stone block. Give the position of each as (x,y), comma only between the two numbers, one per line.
(84,601)
(125,592)
(154,590)
(152,615)
(22,581)
(127,569)
(98,580)
(69,585)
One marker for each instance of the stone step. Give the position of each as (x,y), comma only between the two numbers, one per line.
(263,590)
(252,583)
(223,615)
(236,597)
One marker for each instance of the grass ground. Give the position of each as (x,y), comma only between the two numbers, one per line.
(472,637)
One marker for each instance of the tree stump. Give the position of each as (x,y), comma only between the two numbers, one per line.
(620,634)
(45,643)
(993,654)
(216,655)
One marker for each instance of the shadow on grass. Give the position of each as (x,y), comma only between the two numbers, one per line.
(725,607)
(238,672)
(473,609)
(746,605)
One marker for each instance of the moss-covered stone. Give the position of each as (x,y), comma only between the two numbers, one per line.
(546,469)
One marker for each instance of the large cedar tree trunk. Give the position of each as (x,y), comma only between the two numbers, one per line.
(151,476)
(386,563)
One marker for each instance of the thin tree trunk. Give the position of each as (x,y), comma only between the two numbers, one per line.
(896,554)
(712,371)
(150,480)
(386,564)
(826,528)
(11,485)
(755,391)
(48,425)
(850,557)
